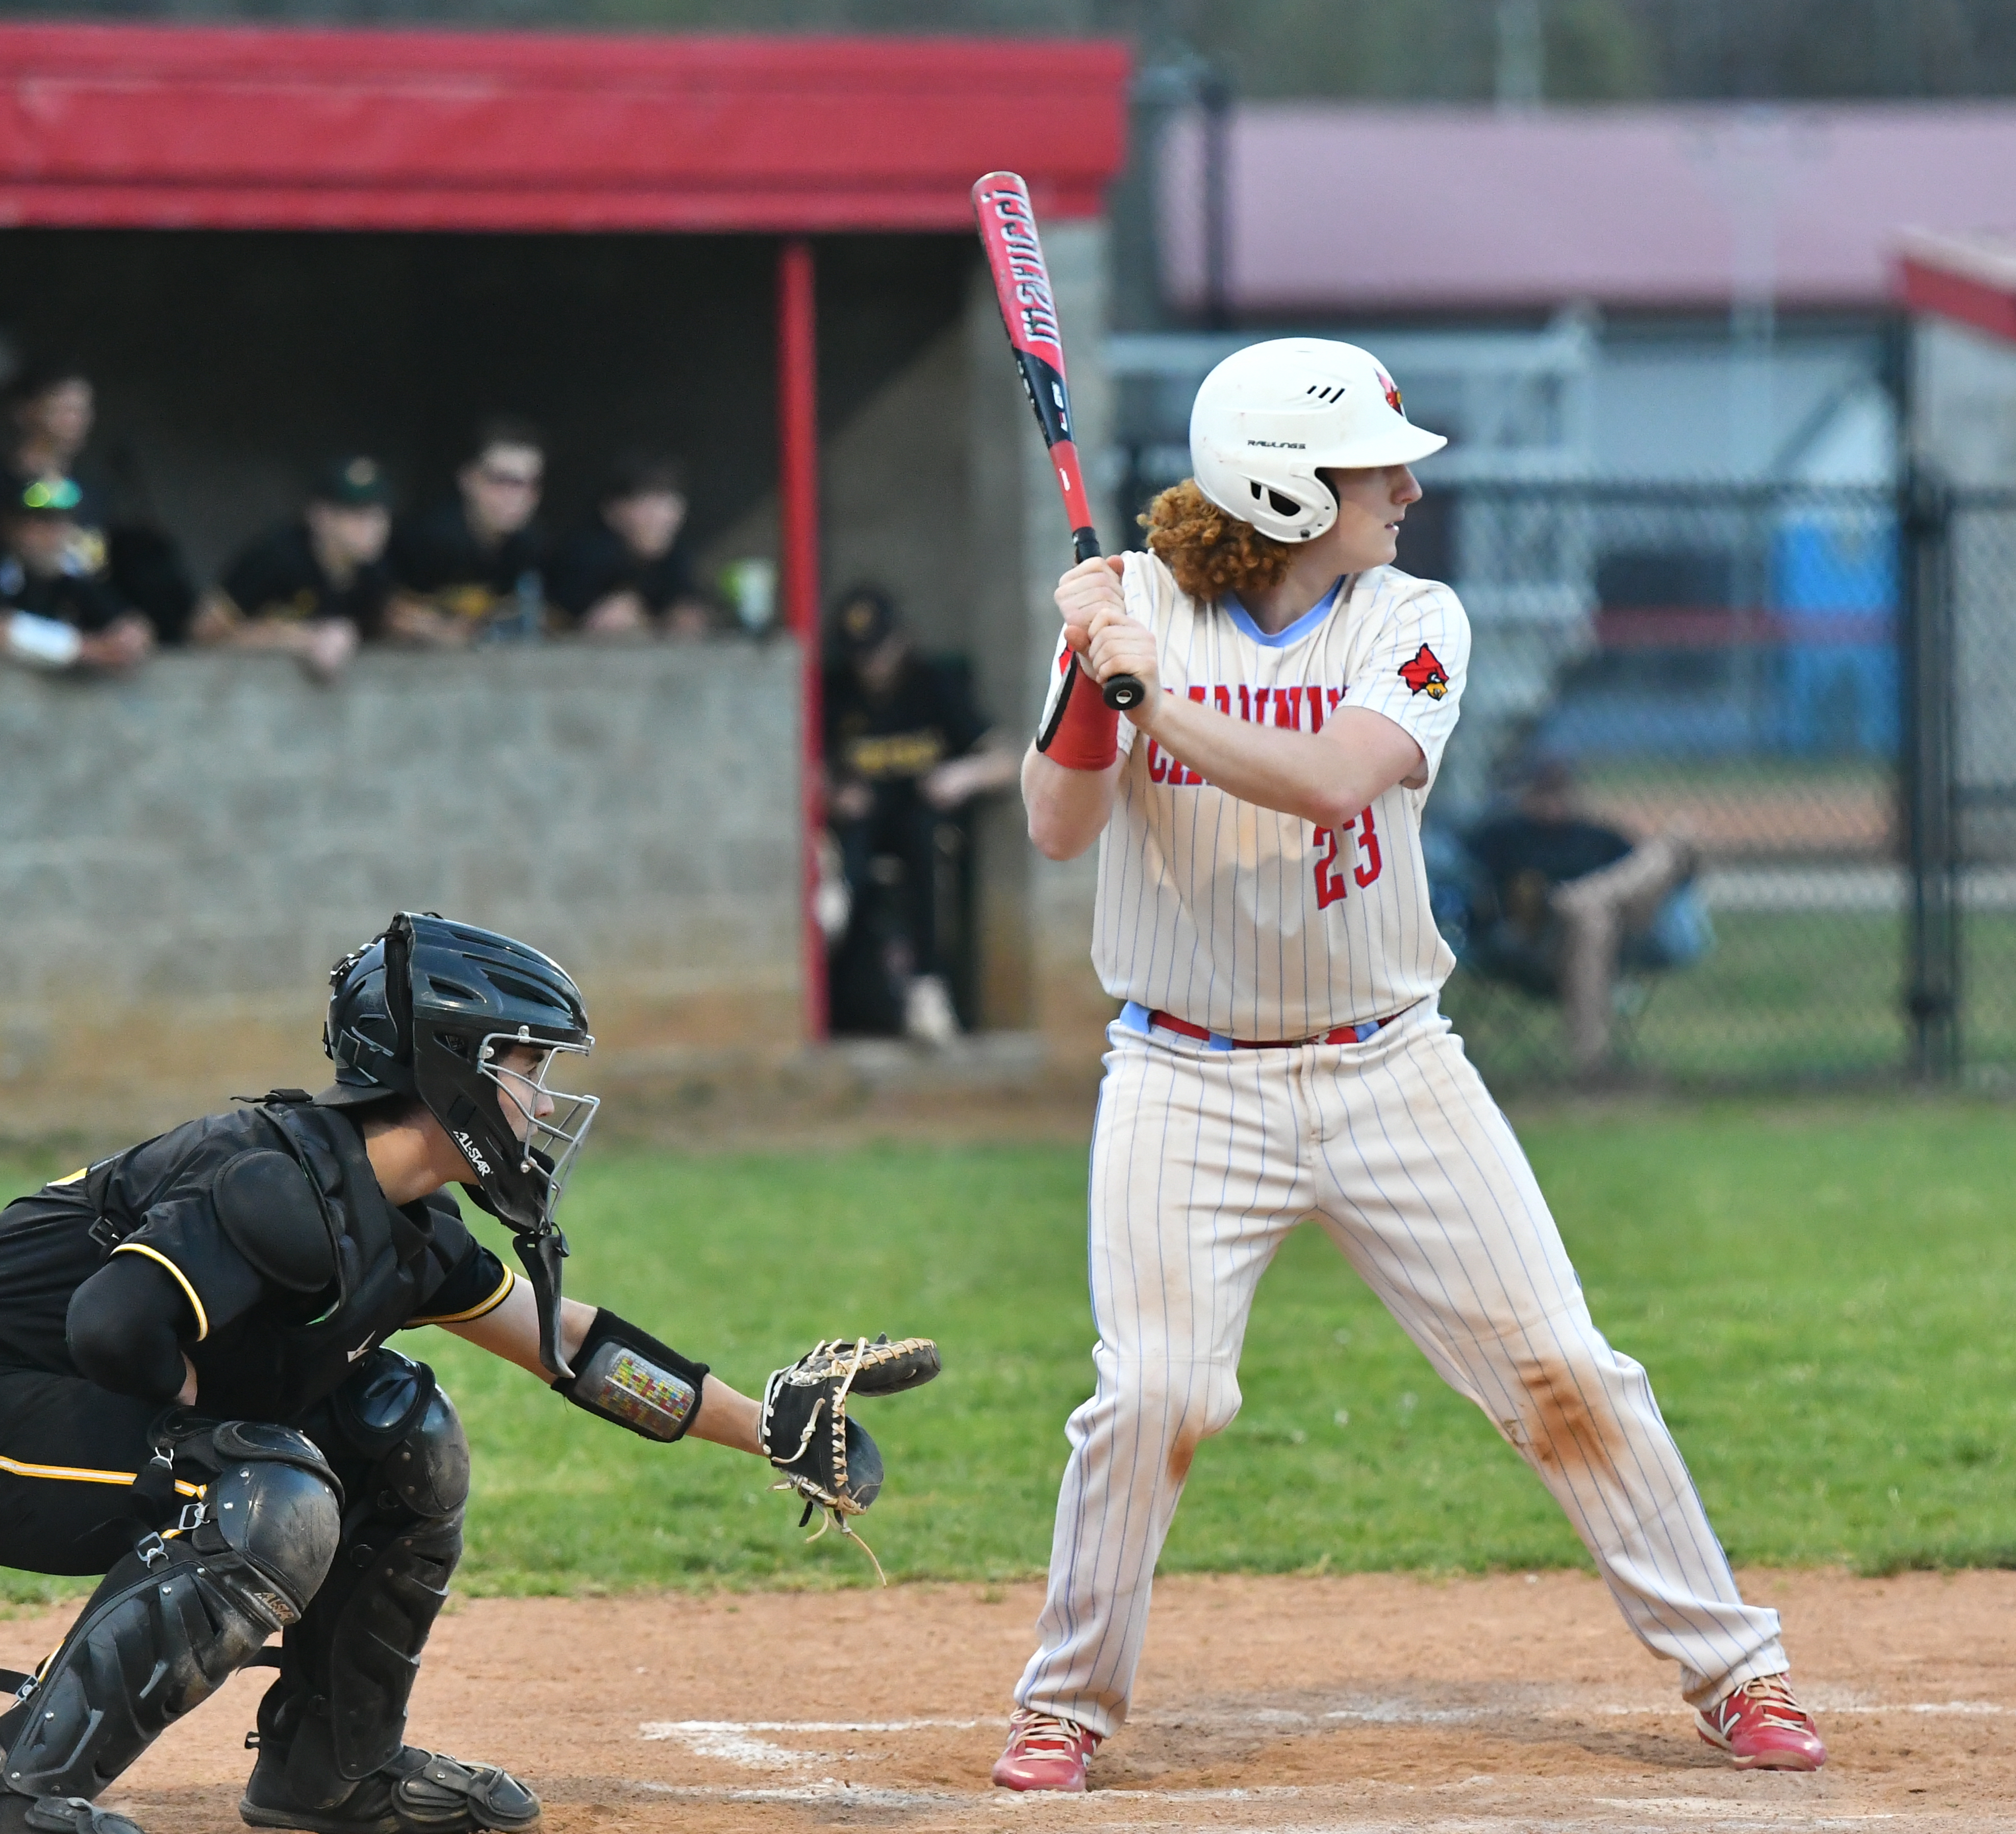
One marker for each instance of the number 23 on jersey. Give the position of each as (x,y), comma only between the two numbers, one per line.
(1331,884)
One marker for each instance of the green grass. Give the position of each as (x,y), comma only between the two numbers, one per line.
(1821,1292)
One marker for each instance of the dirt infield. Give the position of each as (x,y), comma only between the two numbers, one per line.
(1467,1706)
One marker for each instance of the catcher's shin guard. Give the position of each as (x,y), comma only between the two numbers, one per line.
(173,1619)
(338,1715)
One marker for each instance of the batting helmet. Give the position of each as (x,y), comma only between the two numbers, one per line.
(1268,416)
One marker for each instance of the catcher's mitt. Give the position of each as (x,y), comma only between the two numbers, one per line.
(827,1457)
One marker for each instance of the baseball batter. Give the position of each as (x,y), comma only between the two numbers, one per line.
(1263,913)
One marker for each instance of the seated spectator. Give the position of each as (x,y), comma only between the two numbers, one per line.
(624,573)
(54,409)
(1567,900)
(903,749)
(472,568)
(56,615)
(313,588)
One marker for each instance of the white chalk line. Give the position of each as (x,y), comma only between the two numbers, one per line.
(737,1741)
(679,1728)
(868,1794)
(1740,1815)
(734,1740)
(1722,1812)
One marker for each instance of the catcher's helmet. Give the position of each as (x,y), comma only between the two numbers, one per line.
(1268,417)
(428,1008)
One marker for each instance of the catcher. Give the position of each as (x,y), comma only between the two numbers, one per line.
(196,1399)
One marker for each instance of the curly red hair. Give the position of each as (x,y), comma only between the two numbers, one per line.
(1210,552)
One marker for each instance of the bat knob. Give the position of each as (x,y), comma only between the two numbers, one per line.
(1122,693)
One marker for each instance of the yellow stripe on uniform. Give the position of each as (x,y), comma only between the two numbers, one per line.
(181,1280)
(476,1311)
(84,1474)
(71,1179)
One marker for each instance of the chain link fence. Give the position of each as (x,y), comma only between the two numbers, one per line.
(1712,670)
(1966,765)
(1737,767)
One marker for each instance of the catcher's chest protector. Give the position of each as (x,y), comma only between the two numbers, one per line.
(289,1352)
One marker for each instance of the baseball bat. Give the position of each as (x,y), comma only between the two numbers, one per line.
(1029,313)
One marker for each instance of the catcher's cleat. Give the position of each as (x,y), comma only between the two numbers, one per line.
(1762,1727)
(1045,1751)
(418,1792)
(59,1814)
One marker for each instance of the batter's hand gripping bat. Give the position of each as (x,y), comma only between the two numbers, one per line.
(1029,312)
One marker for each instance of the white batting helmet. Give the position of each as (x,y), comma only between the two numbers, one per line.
(1268,415)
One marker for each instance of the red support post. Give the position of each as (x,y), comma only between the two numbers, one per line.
(797,509)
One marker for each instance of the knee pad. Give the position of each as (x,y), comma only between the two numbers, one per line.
(283,1522)
(392,1413)
(428,1469)
(271,1514)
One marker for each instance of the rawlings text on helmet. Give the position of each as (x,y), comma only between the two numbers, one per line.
(1270,417)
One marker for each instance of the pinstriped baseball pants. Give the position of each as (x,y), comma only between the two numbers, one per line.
(1202,1161)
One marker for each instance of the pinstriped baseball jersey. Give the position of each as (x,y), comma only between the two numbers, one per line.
(1247,922)
(1204,1157)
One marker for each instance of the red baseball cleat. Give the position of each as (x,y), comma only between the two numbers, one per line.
(1046,1751)
(1763,1727)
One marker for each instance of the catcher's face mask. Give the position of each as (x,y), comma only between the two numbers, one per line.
(549,1124)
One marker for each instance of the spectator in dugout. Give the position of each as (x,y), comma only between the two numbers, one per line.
(472,568)
(315,587)
(55,613)
(624,573)
(54,409)
(905,748)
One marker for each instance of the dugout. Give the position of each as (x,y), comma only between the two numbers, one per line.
(267,245)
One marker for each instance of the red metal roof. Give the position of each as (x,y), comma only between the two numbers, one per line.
(228,127)
(1336,207)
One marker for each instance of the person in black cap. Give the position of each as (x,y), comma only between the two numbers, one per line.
(118,533)
(624,573)
(903,750)
(472,568)
(199,1400)
(55,613)
(313,588)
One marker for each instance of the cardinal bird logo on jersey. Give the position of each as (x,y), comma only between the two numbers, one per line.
(1424,675)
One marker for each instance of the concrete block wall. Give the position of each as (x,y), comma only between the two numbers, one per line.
(184,853)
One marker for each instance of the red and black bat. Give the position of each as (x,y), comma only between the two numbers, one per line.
(1029,312)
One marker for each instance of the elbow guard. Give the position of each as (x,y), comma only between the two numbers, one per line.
(627,1375)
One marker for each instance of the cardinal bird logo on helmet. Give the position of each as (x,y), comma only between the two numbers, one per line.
(1425,674)
(1392,388)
